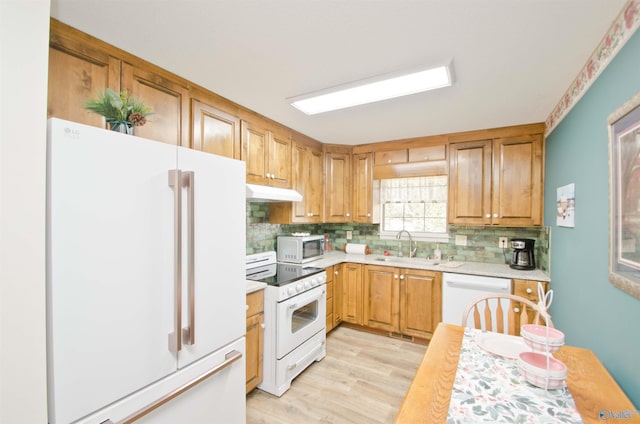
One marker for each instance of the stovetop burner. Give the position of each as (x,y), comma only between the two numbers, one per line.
(266,270)
(280,274)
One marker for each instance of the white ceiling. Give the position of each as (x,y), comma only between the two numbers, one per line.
(513,59)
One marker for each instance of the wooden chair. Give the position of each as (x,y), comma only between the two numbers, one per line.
(489,313)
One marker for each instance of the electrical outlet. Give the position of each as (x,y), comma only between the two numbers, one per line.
(461,240)
(503,242)
(349,234)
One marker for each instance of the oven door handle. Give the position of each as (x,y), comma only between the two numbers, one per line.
(306,301)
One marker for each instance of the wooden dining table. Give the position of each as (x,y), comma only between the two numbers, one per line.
(593,389)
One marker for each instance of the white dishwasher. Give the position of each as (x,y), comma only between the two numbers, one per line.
(458,290)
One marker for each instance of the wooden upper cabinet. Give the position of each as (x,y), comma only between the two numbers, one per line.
(214,131)
(362,188)
(338,187)
(470,183)
(496,182)
(517,181)
(279,162)
(306,179)
(428,153)
(389,157)
(267,154)
(78,71)
(254,152)
(169,100)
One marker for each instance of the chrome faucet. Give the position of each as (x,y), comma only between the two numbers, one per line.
(412,250)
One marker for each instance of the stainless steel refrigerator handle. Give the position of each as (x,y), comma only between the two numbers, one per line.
(230,358)
(189,332)
(175,182)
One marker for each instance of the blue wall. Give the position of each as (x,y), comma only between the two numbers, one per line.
(592,312)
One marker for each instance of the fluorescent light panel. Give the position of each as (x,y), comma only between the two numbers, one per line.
(373,90)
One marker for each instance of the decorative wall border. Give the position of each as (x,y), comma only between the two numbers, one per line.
(620,32)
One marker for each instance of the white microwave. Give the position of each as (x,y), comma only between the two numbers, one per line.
(299,250)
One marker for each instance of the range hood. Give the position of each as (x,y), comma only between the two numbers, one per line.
(260,193)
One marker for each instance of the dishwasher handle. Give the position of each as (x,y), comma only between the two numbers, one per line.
(488,286)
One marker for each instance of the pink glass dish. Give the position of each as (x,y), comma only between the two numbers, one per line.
(534,368)
(535,336)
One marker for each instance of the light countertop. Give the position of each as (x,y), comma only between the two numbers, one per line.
(474,268)
(255,286)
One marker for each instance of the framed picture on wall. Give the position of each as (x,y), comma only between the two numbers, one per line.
(566,206)
(624,198)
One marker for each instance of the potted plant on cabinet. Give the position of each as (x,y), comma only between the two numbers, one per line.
(121,111)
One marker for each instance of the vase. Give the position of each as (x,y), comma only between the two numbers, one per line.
(121,127)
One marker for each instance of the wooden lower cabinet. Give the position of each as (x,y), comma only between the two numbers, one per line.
(351,281)
(529,290)
(330,293)
(254,336)
(402,300)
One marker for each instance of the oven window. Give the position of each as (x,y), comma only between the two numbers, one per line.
(304,316)
(311,249)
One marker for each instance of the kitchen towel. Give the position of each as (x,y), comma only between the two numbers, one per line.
(359,249)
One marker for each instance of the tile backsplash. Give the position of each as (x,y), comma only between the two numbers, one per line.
(482,242)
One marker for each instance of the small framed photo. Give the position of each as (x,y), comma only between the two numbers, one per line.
(566,206)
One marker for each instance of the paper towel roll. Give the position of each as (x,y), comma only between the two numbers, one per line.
(359,249)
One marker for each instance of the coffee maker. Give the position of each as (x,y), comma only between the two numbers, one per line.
(522,254)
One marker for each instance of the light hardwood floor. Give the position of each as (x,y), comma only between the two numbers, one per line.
(363,379)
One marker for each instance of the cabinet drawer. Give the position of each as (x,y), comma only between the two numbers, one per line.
(425,154)
(528,289)
(255,303)
(390,157)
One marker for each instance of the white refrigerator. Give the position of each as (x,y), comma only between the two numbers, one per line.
(145,280)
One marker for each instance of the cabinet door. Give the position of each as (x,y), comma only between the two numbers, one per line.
(420,302)
(330,293)
(315,188)
(470,183)
(77,72)
(337,295)
(381,298)
(300,181)
(168,99)
(279,159)
(254,151)
(529,290)
(338,187)
(214,131)
(362,179)
(254,354)
(517,181)
(352,293)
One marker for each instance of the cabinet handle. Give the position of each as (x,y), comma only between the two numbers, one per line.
(529,290)
(488,215)
(402,277)
(348,214)
(335,272)
(263,326)
(246,307)
(516,310)
(389,161)
(495,215)
(395,277)
(368,215)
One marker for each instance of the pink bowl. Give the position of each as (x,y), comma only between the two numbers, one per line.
(536,337)
(534,368)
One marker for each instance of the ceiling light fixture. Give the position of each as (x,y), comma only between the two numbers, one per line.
(374,89)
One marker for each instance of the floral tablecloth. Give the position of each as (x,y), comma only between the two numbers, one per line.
(490,388)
